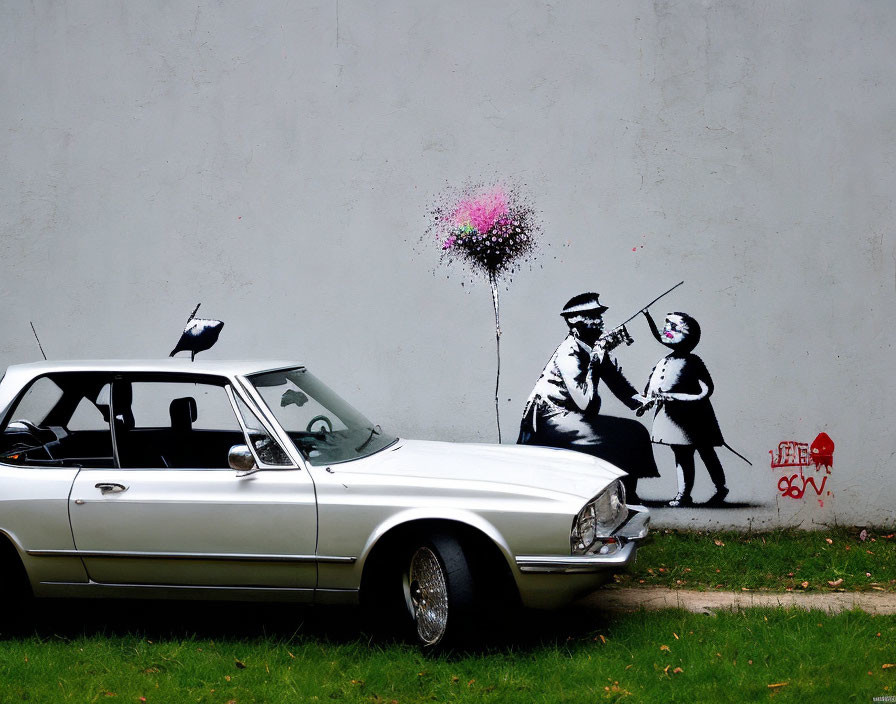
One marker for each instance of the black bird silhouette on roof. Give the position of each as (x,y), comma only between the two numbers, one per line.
(199,335)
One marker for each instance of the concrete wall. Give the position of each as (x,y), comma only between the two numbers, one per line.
(277,160)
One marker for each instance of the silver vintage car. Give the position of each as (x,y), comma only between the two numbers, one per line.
(253,480)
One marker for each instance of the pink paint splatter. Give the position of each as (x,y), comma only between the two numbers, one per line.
(481,211)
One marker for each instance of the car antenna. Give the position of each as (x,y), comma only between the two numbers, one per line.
(38,341)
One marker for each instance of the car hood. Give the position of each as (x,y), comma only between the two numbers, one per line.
(522,469)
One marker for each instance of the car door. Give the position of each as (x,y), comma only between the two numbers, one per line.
(174,514)
(55,427)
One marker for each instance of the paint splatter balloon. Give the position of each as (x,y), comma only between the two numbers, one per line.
(489,229)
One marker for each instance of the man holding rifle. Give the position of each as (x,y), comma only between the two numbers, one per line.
(563,409)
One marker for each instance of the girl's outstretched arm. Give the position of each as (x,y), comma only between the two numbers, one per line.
(652,325)
(705,391)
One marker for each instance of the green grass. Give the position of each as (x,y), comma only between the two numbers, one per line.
(780,560)
(571,657)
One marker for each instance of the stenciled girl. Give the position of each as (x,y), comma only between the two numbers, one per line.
(679,388)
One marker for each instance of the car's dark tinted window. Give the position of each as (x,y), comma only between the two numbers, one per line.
(161,423)
(49,426)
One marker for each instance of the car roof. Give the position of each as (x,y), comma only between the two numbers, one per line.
(183,365)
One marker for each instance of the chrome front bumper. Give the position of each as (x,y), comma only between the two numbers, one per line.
(626,537)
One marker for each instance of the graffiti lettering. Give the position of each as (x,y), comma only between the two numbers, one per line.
(790,454)
(795,485)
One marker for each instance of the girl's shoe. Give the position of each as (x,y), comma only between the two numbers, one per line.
(681,499)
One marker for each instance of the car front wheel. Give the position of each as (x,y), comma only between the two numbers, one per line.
(439,591)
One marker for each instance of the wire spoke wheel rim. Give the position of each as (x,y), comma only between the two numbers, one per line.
(428,596)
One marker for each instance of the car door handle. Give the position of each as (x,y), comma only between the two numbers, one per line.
(111,487)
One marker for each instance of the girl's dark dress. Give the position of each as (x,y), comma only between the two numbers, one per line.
(688,420)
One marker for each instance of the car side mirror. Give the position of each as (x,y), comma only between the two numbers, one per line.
(240,458)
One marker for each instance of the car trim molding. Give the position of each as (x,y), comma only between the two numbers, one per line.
(230,557)
(570,564)
(193,587)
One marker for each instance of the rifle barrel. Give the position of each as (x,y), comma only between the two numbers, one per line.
(651,303)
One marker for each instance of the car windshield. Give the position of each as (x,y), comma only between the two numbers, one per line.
(323,427)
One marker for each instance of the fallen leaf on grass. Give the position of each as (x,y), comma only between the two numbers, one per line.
(829,541)
(470,683)
(719,543)
(240,665)
(804,585)
(836,582)
(677,671)
(887,665)
(863,536)
(227,677)
(603,640)
(676,635)
(664,647)
(291,655)
(778,684)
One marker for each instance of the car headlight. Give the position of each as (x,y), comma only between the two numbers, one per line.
(599,518)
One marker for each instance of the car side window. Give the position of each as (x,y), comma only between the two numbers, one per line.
(60,421)
(88,416)
(165,424)
(174,424)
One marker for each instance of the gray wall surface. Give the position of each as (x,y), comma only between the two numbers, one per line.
(277,161)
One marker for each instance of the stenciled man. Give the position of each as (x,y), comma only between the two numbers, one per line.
(563,409)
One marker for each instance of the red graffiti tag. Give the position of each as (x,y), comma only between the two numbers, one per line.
(795,485)
(790,454)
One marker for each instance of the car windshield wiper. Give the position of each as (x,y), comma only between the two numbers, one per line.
(375,430)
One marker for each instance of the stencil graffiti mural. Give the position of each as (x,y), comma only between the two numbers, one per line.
(791,453)
(563,409)
(678,389)
(491,230)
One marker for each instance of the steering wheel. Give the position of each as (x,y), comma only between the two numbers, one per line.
(323,419)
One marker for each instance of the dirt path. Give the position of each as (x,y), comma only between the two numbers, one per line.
(655,598)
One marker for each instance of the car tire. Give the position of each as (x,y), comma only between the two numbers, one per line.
(439,592)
